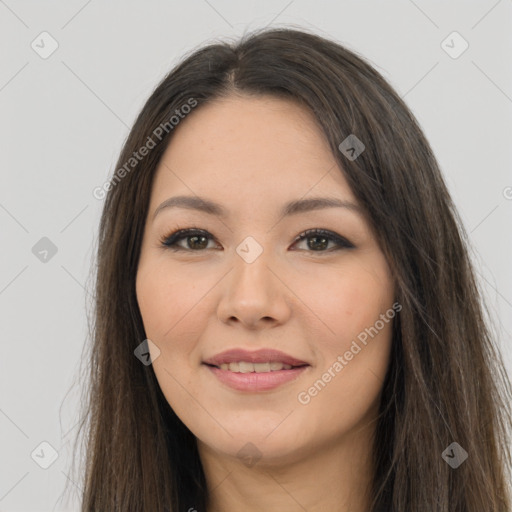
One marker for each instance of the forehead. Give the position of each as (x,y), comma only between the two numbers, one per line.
(247,148)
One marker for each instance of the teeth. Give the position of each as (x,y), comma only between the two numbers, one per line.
(245,367)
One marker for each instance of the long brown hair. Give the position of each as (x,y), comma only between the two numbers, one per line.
(446,381)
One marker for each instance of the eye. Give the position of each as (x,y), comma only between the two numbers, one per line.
(320,239)
(197,239)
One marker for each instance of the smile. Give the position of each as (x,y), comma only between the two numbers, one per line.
(247,367)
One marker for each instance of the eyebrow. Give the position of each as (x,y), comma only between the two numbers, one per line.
(292,208)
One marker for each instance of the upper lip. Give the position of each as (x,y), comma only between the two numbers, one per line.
(263,355)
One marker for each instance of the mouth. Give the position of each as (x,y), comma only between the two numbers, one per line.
(262,360)
(248,367)
(255,371)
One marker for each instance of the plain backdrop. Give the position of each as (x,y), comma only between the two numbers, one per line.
(64,117)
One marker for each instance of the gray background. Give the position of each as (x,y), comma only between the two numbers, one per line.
(64,118)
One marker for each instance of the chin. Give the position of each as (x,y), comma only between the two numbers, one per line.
(258,446)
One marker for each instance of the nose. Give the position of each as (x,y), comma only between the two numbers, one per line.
(254,293)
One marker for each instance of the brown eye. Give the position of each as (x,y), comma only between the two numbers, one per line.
(318,240)
(196,240)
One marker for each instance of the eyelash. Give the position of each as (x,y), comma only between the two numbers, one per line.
(170,241)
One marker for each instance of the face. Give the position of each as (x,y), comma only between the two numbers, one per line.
(247,280)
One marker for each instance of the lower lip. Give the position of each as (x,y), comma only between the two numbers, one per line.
(256,381)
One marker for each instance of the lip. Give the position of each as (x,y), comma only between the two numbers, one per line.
(253,381)
(263,355)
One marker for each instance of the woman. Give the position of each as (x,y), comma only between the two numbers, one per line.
(286,315)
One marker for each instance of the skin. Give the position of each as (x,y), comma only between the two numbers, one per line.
(252,155)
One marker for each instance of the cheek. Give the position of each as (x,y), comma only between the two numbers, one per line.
(350,302)
(168,301)
(153,296)
(170,307)
(353,360)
